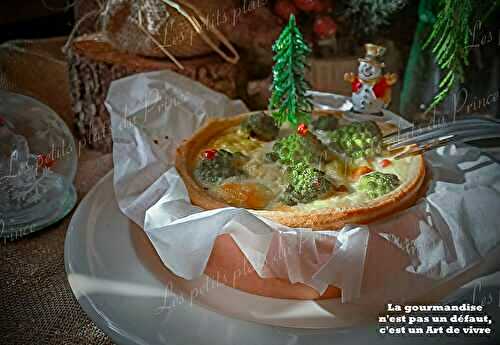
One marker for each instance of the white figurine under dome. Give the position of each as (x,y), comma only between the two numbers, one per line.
(371,91)
(23,181)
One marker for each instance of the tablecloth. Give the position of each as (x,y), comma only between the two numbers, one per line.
(37,305)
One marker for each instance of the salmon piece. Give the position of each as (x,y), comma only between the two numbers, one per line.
(356,173)
(247,195)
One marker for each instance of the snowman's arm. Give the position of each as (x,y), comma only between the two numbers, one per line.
(350,77)
(391,78)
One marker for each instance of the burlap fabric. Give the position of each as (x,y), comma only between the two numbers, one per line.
(36,303)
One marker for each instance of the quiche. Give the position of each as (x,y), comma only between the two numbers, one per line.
(322,175)
(226,164)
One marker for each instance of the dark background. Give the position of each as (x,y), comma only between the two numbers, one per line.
(24,19)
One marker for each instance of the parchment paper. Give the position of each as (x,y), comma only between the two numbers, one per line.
(450,230)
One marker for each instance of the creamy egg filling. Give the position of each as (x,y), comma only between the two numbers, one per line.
(260,172)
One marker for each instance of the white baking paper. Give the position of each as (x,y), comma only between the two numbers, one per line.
(400,258)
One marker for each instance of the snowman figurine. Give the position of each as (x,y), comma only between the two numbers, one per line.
(371,91)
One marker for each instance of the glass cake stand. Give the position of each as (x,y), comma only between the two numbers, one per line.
(38,163)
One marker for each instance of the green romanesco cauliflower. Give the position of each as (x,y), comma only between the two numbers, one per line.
(218,165)
(306,184)
(357,140)
(297,148)
(377,184)
(261,126)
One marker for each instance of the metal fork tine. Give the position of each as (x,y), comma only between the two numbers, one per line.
(426,134)
(415,131)
(458,131)
(462,136)
(416,150)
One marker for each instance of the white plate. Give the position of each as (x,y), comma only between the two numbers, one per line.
(124,291)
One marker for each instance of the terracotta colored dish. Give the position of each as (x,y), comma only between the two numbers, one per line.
(228,264)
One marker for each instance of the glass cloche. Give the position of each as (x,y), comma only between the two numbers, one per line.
(38,162)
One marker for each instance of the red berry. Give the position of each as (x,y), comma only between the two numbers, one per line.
(209,154)
(385,163)
(302,130)
(284,9)
(324,26)
(44,161)
(306,5)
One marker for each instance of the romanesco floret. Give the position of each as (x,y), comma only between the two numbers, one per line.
(306,184)
(261,126)
(357,140)
(297,148)
(218,165)
(377,184)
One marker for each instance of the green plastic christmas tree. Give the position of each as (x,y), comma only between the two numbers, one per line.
(289,101)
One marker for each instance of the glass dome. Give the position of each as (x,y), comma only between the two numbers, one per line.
(38,162)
